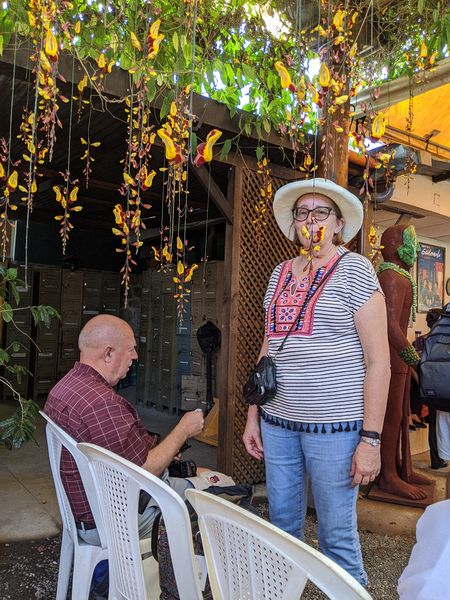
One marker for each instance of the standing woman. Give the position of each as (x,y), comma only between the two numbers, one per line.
(325,420)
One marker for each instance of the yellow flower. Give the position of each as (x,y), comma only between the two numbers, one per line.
(73,194)
(101,61)
(171,149)
(179,243)
(12,181)
(338,19)
(82,84)
(286,81)
(378,126)
(341,100)
(51,45)
(180,268)
(423,50)
(324,76)
(136,43)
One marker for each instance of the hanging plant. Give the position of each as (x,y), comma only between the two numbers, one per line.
(67,197)
(265,193)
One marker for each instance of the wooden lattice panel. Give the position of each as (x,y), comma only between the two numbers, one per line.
(258,258)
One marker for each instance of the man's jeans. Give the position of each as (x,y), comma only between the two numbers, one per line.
(145,520)
(291,457)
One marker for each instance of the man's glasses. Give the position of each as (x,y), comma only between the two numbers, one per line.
(319,213)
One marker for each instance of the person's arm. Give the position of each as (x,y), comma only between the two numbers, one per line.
(252,434)
(371,325)
(159,457)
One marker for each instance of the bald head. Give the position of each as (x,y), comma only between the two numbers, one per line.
(107,344)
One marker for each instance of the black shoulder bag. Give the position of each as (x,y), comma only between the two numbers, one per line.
(261,385)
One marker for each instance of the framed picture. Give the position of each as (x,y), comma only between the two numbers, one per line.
(430,277)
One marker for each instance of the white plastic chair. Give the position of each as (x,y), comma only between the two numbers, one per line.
(248,558)
(73,549)
(118,483)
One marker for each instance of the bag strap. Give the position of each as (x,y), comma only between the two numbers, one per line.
(307,299)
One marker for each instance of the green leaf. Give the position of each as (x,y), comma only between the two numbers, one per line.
(4,356)
(175,41)
(194,143)
(259,152)
(1,45)
(165,106)
(266,125)
(6,312)
(225,148)
(15,346)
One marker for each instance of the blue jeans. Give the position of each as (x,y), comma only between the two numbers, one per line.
(291,457)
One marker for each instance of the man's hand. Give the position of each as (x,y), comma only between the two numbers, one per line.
(192,423)
(366,464)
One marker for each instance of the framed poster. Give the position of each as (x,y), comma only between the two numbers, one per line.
(430,277)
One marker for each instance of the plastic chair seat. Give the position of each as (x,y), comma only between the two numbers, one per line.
(250,559)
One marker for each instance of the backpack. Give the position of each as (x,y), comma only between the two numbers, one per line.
(434,365)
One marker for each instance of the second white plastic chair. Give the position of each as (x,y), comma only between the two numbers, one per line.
(118,483)
(248,558)
(73,550)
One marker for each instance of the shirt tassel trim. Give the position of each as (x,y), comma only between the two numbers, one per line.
(311,427)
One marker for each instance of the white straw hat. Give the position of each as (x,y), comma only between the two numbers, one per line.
(349,205)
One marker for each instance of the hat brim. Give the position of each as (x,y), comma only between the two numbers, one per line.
(349,205)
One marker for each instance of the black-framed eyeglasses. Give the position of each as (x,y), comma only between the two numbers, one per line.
(320,213)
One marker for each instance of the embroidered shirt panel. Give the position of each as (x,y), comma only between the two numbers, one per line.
(289,298)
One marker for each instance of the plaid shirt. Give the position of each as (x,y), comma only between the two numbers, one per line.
(87,408)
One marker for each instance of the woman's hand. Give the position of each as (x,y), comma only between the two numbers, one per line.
(366,464)
(252,435)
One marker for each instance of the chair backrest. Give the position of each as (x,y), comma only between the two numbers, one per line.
(118,483)
(249,558)
(57,438)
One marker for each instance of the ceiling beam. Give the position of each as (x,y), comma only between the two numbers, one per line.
(441,177)
(208,112)
(205,178)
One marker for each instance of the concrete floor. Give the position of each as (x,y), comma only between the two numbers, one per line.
(28,507)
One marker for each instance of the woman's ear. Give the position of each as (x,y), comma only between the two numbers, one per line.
(339,226)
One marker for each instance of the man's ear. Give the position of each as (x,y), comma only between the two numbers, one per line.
(107,354)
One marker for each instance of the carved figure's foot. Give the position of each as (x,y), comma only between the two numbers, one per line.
(417,479)
(398,487)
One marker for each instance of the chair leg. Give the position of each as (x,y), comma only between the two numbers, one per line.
(83,569)
(65,566)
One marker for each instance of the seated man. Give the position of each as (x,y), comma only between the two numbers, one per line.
(87,407)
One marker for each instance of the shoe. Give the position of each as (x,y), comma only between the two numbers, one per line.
(419,425)
(440,465)
(412,427)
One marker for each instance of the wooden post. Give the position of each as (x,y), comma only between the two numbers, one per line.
(227,366)
(333,155)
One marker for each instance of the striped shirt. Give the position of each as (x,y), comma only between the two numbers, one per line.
(321,371)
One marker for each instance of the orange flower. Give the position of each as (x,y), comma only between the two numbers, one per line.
(51,46)
(378,127)
(286,81)
(204,151)
(154,39)
(173,152)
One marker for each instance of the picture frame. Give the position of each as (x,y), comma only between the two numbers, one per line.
(430,277)
(447,287)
